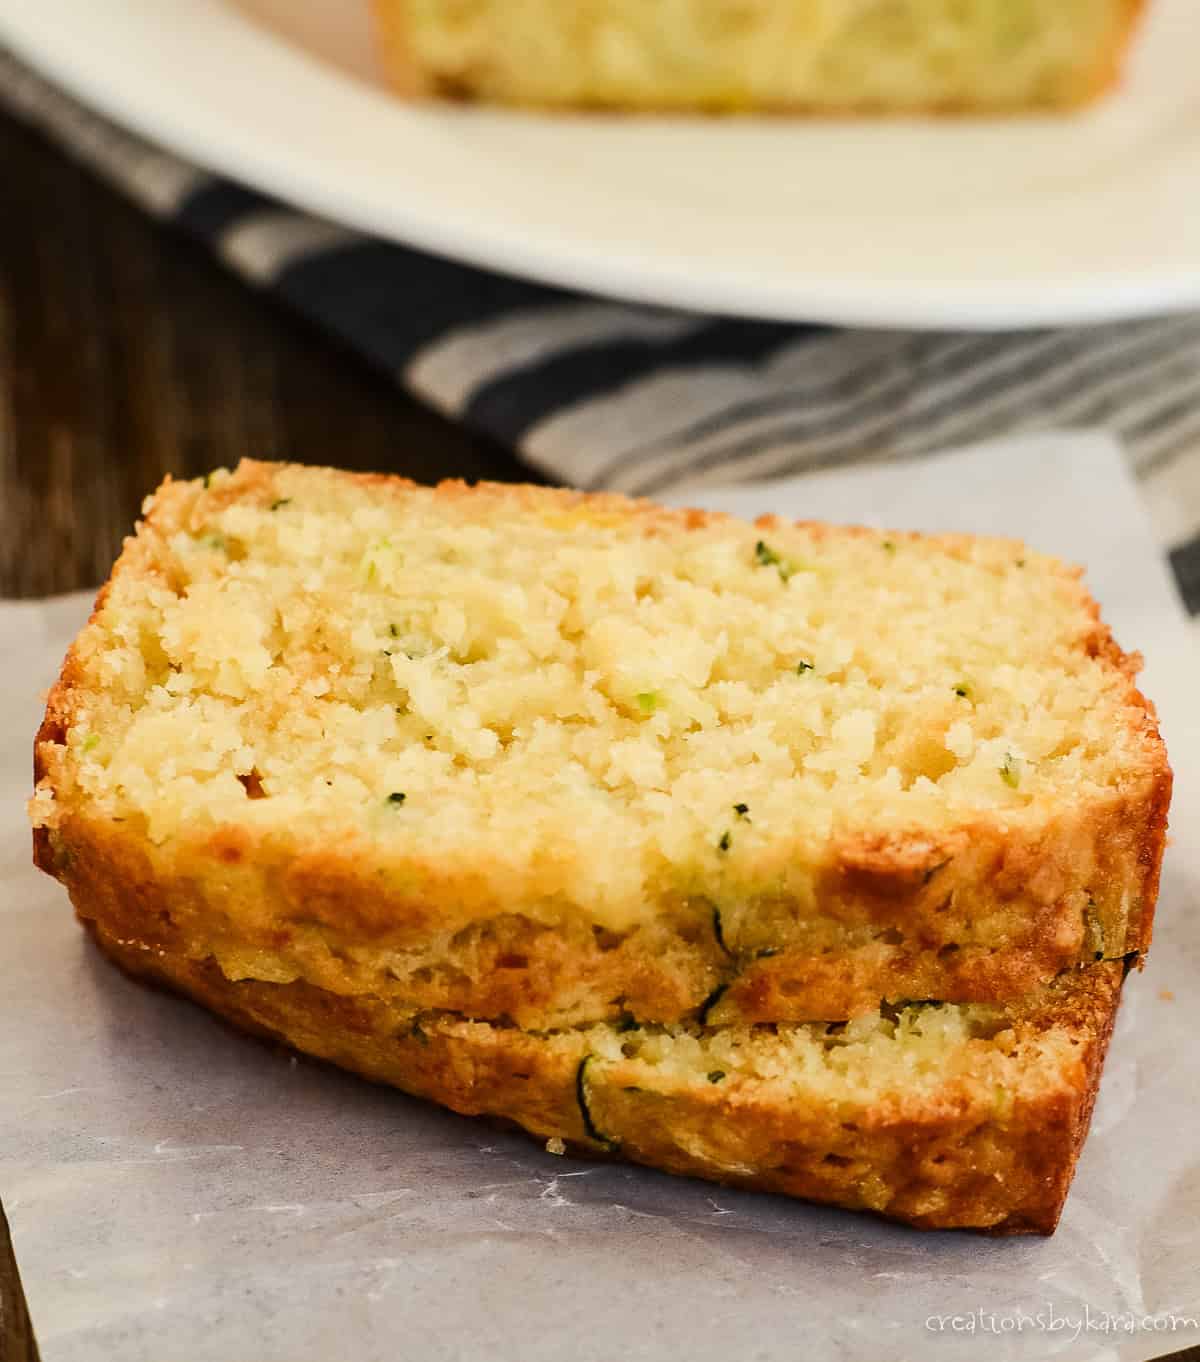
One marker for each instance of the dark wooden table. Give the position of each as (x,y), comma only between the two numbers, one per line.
(126,353)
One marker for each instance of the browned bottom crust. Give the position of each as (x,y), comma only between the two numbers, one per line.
(943,1162)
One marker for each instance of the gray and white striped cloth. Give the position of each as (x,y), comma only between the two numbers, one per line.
(602,394)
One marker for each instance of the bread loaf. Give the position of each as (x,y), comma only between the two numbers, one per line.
(797,857)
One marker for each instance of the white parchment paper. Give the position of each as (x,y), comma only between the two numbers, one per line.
(177,1191)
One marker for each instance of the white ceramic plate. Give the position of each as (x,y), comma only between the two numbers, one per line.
(973,223)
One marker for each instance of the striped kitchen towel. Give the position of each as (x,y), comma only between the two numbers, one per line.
(601,394)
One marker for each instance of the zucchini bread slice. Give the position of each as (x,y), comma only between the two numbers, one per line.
(727,55)
(546,758)
(940,1115)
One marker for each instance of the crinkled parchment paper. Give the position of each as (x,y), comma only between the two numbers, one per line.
(178,1191)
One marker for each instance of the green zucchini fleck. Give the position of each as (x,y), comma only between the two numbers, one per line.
(933,870)
(581,1097)
(418,1032)
(716,1075)
(892,1011)
(963,691)
(726,841)
(710,1002)
(742,811)
(802,667)
(1010,771)
(280,503)
(648,701)
(397,797)
(765,556)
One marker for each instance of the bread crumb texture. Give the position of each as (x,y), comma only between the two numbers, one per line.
(744,54)
(578,700)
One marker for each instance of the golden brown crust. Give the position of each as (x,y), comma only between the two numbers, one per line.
(1111,61)
(941,1162)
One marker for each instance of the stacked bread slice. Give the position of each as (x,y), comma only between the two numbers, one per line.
(800,858)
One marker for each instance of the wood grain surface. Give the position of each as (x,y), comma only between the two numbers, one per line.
(16,1334)
(127,353)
